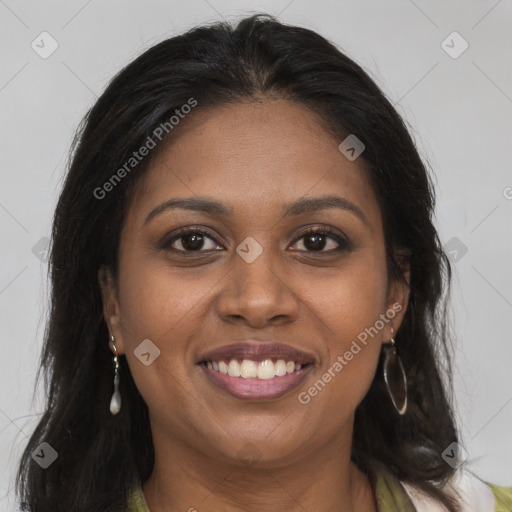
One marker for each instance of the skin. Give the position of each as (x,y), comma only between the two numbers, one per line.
(254,158)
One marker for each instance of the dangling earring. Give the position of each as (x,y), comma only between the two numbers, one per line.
(394,377)
(115,401)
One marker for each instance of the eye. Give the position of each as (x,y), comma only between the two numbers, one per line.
(319,240)
(191,240)
(323,239)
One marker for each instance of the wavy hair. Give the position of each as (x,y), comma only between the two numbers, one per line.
(101,456)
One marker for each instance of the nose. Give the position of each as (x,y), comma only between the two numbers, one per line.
(258,294)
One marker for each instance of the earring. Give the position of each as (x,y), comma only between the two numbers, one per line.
(115,401)
(394,377)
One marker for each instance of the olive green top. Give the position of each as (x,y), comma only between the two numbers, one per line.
(391,496)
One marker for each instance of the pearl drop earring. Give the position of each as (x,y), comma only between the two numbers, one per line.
(115,401)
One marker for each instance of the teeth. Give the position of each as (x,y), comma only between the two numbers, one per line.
(280,368)
(266,369)
(234,368)
(248,369)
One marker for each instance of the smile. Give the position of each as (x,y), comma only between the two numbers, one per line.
(256,380)
(249,369)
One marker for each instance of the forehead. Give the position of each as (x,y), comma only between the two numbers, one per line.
(253,156)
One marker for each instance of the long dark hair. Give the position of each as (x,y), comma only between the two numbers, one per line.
(101,456)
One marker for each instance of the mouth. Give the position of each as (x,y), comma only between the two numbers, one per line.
(255,370)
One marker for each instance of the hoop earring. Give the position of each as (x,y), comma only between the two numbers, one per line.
(115,401)
(394,377)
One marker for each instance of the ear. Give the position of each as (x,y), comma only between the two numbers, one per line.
(398,297)
(111,310)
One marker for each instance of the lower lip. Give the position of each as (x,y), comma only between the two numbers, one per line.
(257,389)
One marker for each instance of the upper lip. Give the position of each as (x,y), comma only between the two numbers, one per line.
(257,351)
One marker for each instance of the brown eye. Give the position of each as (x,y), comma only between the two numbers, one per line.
(192,240)
(322,240)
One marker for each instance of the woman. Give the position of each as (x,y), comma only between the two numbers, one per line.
(245,232)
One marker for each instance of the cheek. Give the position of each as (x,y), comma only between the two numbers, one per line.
(349,310)
(156,306)
(154,309)
(155,302)
(351,298)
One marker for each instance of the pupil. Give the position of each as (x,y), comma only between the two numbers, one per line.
(318,242)
(192,242)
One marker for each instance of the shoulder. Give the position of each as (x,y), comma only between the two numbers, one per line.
(136,502)
(473,494)
(503,496)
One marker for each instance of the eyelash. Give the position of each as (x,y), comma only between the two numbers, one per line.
(344,243)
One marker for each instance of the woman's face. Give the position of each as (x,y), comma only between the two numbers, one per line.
(253,275)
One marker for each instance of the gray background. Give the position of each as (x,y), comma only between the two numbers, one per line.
(459,110)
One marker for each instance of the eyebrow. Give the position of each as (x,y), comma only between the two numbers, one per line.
(302,206)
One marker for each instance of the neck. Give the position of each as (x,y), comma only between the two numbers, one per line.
(324,480)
